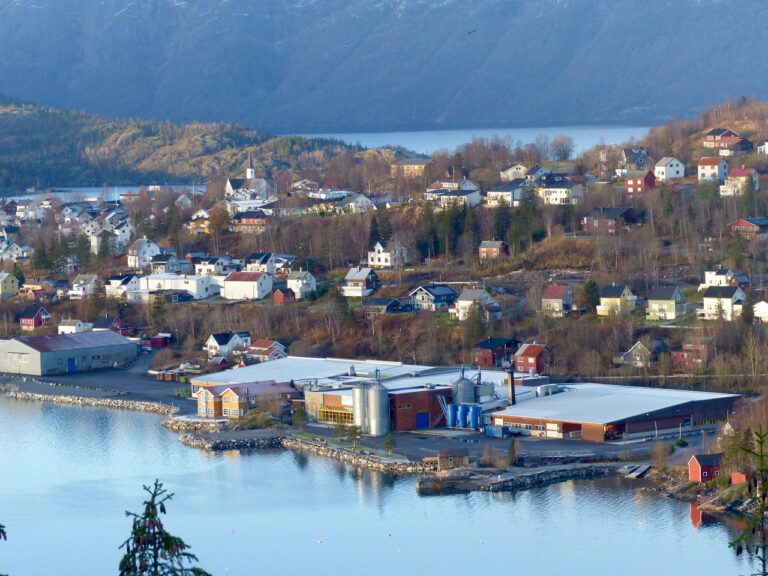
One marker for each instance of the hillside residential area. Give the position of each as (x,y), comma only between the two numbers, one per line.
(507,288)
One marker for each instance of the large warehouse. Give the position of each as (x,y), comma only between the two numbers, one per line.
(601,412)
(47,355)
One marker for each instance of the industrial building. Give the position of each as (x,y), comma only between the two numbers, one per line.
(377,396)
(604,412)
(382,396)
(47,355)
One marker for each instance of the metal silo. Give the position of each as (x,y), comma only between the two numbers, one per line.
(463,413)
(359,407)
(463,391)
(452,414)
(474,416)
(378,409)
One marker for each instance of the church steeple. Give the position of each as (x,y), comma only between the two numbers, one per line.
(250,173)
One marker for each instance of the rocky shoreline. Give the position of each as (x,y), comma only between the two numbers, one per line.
(221,444)
(139,406)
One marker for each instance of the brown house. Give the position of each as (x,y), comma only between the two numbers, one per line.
(692,356)
(534,357)
(494,351)
(493,249)
(409,168)
(604,221)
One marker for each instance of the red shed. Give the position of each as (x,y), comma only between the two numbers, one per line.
(704,467)
(284,296)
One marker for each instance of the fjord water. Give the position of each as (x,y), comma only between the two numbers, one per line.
(68,474)
(429,141)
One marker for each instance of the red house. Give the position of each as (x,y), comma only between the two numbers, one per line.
(493,249)
(692,356)
(536,358)
(32,317)
(639,182)
(704,467)
(493,351)
(284,296)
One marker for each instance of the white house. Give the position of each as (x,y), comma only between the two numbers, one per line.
(717,277)
(469,296)
(394,256)
(722,302)
(761,311)
(198,287)
(713,169)
(513,173)
(467,194)
(247,286)
(141,252)
(762,149)
(83,285)
(359,282)
(737,181)
(217,266)
(557,189)
(355,204)
(74,326)
(225,343)
(265,350)
(302,283)
(509,194)
(668,168)
(118,286)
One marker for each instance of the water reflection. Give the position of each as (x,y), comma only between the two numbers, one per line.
(69,474)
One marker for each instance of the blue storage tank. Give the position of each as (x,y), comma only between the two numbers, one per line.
(463,411)
(452,410)
(474,417)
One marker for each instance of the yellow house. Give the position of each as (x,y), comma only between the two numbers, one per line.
(233,401)
(9,285)
(616,300)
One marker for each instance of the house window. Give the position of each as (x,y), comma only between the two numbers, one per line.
(704,474)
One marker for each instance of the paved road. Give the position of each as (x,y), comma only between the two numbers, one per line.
(132,382)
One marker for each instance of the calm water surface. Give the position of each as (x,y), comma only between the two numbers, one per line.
(68,474)
(428,141)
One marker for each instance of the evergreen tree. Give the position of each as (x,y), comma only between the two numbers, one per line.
(373,232)
(748,310)
(385,225)
(157,312)
(19,273)
(748,200)
(590,295)
(429,243)
(151,550)
(502,218)
(474,325)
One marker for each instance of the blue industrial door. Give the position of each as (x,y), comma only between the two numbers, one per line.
(422,420)
(71,365)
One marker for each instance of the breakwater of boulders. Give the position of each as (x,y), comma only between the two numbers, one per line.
(545,477)
(193,425)
(140,406)
(221,444)
(356,458)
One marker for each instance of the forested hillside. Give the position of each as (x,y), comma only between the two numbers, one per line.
(45,147)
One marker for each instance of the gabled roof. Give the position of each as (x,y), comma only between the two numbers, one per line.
(435,290)
(720,291)
(494,343)
(664,293)
(32,311)
(73,341)
(531,350)
(715,161)
(222,338)
(511,186)
(299,275)
(609,212)
(493,244)
(666,161)
(555,292)
(472,294)
(358,273)
(244,277)
(612,291)
(708,459)
(741,172)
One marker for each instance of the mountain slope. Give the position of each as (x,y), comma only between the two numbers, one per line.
(317,65)
(47,147)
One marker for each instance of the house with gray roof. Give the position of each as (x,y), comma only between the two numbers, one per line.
(665,303)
